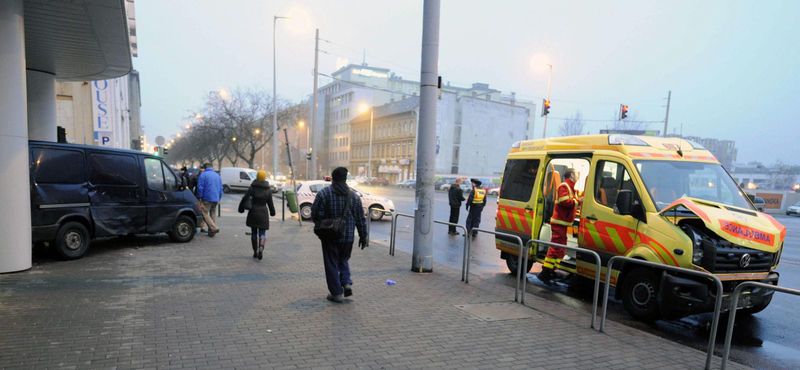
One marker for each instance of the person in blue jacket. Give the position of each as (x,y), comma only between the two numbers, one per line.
(209,192)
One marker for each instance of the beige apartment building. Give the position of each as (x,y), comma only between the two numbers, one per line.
(393,141)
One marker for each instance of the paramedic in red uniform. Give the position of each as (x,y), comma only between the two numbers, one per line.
(566,206)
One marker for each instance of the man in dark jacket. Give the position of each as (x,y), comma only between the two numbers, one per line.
(259,194)
(330,203)
(456,196)
(185,179)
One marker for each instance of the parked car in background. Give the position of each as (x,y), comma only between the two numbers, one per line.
(793,210)
(443,181)
(362,180)
(374,206)
(758,202)
(378,181)
(464,181)
(81,192)
(236,178)
(407,184)
(492,189)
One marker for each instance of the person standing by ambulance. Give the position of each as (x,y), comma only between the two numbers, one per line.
(475,204)
(455,197)
(566,206)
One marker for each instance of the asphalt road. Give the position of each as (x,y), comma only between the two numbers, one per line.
(768,340)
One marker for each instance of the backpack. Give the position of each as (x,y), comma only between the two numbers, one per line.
(332,229)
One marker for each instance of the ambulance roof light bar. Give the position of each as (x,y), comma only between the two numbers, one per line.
(623,139)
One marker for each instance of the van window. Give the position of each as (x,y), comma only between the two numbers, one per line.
(113,169)
(244,176)
(610,178)
(53,166)
(315,188)
(519,178)
(155,178)
(170,180)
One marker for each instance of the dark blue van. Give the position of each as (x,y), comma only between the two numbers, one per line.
(81,192)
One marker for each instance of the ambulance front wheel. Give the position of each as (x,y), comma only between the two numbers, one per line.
(512,261)
(640,294)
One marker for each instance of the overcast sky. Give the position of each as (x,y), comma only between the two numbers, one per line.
(732,66)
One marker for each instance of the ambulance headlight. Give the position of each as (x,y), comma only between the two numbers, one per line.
(697,255)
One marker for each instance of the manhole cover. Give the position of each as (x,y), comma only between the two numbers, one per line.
(496,311)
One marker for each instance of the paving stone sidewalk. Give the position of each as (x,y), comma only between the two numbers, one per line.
(209,305)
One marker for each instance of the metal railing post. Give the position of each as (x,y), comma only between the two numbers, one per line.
(576,249)
(717,305)
(519,265)
(467,243)
(393,236)
(735,303)
(283,206)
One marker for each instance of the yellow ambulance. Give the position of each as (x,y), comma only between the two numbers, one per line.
(664,200)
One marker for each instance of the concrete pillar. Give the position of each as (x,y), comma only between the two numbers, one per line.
(41,106)
(15,244)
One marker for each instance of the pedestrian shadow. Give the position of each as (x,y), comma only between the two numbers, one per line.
(314,305)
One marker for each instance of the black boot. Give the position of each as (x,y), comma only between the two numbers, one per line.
(255,248)
(546,276)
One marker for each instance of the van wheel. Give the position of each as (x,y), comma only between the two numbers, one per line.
(376,213)
(513,260)
(305,211)
(226,189)
(640,294)
(183,230)
(72,241)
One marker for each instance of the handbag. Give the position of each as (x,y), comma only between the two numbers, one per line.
(331,229)
(246,203)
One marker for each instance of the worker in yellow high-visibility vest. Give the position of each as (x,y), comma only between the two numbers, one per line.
(563,217)
(475,204)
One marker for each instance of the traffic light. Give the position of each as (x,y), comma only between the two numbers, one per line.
(164,151)
(545,107)
(308,156)
(623,111)
(156,150)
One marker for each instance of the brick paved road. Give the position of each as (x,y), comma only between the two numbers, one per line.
(209,305)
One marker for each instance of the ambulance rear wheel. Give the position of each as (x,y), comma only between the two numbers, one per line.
(640,294)
(512,261)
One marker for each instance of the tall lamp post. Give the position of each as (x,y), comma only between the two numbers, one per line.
(301,124)
(364,108)
(275,95)
(549,79)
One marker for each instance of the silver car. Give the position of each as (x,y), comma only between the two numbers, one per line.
(793,210)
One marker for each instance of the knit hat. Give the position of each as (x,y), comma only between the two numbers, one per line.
(339,174)
(261,175)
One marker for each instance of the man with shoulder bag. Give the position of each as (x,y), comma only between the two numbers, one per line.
(337,212)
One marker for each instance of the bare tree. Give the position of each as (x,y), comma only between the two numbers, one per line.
(782,176)
(573,125)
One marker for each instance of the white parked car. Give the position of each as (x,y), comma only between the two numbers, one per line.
(236,178)
(793,210)
(375,206)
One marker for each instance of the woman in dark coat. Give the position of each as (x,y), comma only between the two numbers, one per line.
(260,195)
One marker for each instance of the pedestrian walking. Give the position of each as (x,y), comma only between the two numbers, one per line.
(258,201)
(475,204)
(566,207)
(336,213)
(209,192)
(456,196)
(194,190)
(186,181)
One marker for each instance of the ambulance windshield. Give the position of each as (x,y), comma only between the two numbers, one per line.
(667,181)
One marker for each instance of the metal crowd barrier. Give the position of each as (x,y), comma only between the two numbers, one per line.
(392,236)
(717,306)
(519,265)
(576,249)
(732,315)
(467,242)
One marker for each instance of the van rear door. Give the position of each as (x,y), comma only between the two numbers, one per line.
(58,185)
(519,207)
(118,203)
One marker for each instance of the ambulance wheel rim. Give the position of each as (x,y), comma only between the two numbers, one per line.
(643,293)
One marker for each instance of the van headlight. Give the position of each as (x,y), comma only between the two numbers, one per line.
(697,255)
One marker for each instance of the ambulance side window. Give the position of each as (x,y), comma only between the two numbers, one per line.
(519,179)
(610,178)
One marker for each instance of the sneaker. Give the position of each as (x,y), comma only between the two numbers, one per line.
(211,233)
(348,290)
(336,298)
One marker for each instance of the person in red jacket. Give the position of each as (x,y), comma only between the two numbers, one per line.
(566,207)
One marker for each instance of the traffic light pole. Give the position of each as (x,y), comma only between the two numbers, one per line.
(666,119)
(422,258)
(549,80)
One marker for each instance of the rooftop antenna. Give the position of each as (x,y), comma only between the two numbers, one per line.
(364,62)
(680,142)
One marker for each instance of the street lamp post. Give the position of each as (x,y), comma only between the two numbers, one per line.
(549,79)
(274,96)
(371,116)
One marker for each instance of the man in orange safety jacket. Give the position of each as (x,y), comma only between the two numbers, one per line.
(566,206)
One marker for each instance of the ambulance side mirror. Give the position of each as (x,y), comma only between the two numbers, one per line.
(624,203)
